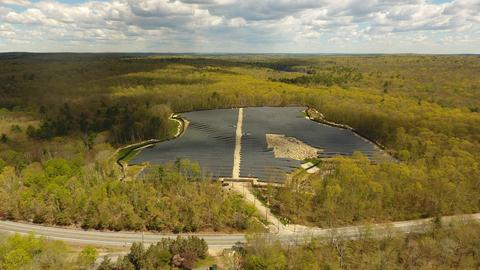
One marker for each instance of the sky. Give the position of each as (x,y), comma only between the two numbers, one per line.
(241,26)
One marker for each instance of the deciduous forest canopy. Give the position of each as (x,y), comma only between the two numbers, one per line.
(62,116)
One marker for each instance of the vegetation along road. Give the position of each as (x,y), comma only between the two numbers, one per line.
(214,241)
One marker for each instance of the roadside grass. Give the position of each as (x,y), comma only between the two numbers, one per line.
(262,220)
(207,262)
(258,195)
(111,250)
(281,219)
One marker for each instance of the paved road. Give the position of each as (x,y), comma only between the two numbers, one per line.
(110,238)
(214,241)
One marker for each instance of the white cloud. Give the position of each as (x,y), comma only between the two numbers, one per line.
(7,27)
(237,22)
(19,3)
(31,16)
(159,8)
(417,38)
(4,11)
(240,24)
(18,41)
(334,39)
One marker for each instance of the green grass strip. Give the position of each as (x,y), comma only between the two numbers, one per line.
(129,157)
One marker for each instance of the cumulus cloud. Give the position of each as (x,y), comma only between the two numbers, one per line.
(18,41)
(422,17)
(19,3)
(366,8)
(159,8)
(238,24)
(32,16)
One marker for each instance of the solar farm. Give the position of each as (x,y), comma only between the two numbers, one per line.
(210,141)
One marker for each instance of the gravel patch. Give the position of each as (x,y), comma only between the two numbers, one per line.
(288,147)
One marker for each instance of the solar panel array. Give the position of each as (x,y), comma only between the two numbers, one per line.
(288,121)
(210,141)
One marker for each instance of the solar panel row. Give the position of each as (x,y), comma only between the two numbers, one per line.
(209,140)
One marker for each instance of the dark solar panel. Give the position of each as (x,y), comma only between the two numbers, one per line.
(208,140)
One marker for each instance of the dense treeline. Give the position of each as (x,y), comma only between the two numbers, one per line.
(443,246)
(356,190)
(171,199)
(120,124)
(330,76)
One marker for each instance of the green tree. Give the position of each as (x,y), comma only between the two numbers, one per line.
(55,255)
(4,113)
(178,246)
(195,171)
(57,167)
(124,263)
(137,252)
(106,264)
(164,257)
(197,245)
(178,164)
(16,129)
(4,138)
(255,263)
(31,132)
(2,165)
(17,259)
(264,252)
(250,209)
(87,256)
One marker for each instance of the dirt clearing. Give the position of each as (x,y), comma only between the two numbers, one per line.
(288,147)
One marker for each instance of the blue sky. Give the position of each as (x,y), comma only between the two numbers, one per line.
(68,1)
(436,2)
(241,26)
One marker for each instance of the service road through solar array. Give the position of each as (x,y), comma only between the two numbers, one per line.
(210,141)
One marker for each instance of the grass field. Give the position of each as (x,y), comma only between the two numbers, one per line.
(129,157)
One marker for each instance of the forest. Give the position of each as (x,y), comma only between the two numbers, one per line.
(31,252)
(62,117)
(443,245)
